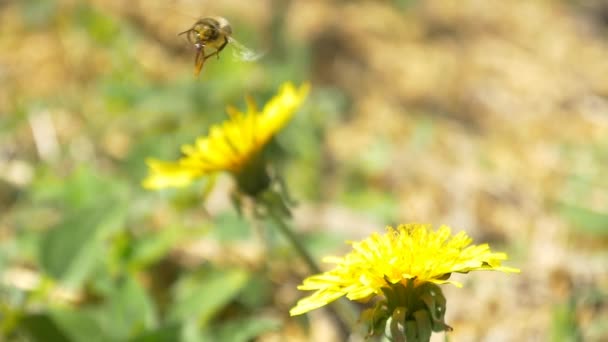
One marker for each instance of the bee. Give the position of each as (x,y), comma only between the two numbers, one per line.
(214,33)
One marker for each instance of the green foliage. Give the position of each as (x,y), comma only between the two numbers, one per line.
(101,27)
(87,255)
(234,227)
(127,312)
(38,14)
(40,327)
(564,327)
(578,202)
(242,330)
(199,297)
(376,203)
(72,250)
(586,220)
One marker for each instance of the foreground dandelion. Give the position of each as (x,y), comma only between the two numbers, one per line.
(402,269)
(234,146)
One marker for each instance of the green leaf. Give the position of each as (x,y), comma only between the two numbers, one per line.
(83,188)
(257,293)
(586,220)
(38,14)
(201,297)
(101,27)
(148,249)
(243,330)
(128,312)
(564,327)
(166,333)
(41,328)
(373,202)
(323,242)
(231,227)
(71,250)
(79,326)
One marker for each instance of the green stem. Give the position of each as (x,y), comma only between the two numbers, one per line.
(293,240)
(341,308)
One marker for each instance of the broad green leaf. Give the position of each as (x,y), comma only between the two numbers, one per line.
(71,250)
(79,326)
(586,220)
(163,334)
(83,188)
(192,332)
(200,298)
(243,330)
(376,203)
(564,327)
(38,14)
(322,242)
(231,227)
(257,293)
(150,248)
(41,328)
(101,27)
(128,311)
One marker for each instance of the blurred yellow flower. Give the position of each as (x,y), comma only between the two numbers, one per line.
(412,251)
(231,146)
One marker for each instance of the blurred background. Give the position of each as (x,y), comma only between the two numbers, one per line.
(491,117)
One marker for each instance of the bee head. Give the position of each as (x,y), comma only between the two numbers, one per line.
(208,30)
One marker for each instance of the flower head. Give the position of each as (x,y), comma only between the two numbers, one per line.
(232,146)
(411,253)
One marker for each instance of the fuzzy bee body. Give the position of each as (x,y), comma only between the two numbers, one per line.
(214,33)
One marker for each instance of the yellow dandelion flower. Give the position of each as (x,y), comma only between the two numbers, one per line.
(412,252)
(231,146)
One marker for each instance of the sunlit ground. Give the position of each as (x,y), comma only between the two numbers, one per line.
(491,117)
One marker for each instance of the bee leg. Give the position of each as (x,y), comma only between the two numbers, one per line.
(188,34)
(221,47)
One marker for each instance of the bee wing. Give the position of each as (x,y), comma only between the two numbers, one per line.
(243,53)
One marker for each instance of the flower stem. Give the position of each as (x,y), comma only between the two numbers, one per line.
(295,243)
(341,308)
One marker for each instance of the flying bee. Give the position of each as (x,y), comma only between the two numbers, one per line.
(215,33)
